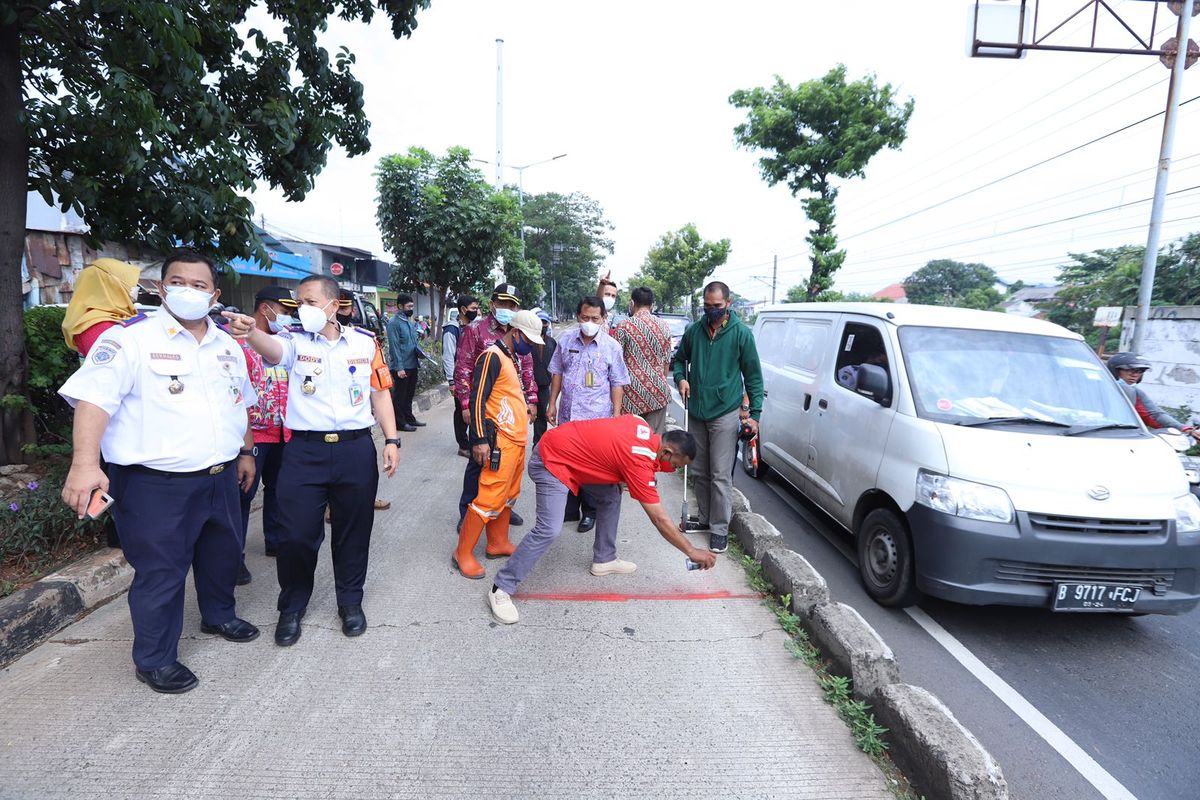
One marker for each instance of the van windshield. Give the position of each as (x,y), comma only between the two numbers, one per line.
(960,375)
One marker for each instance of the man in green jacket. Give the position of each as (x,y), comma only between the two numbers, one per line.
(719,351)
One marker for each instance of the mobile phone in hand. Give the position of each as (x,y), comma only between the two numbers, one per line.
(98,503)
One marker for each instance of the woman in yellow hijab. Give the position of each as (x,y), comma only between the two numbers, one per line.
(104,295)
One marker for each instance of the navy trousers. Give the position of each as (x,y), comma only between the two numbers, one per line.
(470,487)
(170,524)
(266,470)
(343,475)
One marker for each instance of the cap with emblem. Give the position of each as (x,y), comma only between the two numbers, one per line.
(506,291)
(275,294)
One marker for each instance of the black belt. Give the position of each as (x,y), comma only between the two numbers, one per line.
(331,437)
(215,469)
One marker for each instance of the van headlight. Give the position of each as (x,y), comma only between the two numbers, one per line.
(1187,513)
(964,498)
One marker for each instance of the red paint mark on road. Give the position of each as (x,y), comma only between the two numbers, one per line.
(614,597)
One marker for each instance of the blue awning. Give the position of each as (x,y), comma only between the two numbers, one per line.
(284,266)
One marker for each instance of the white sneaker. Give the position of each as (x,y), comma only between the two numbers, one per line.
(616,567)
(502,606)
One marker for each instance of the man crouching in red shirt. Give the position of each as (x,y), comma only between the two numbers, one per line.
(599,454)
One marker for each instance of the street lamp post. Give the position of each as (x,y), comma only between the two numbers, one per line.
(521,185)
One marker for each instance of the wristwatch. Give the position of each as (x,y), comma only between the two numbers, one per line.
(395,441)
(252,452)
(745,408)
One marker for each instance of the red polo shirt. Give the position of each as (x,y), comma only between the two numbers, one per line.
(605,451)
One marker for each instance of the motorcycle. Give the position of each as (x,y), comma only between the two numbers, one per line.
(1181,443)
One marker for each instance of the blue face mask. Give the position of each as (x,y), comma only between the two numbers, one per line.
(715,314)
(522,346)
(504,315)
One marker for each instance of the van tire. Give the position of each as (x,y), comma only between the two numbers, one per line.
(754,467)
(886,562)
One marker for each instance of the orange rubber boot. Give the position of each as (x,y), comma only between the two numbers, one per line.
(468,537)
(498,545)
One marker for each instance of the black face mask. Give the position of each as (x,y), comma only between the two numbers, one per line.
(344,319)
(408,312)
(470,316)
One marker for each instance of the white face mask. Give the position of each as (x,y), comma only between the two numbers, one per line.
(187,303)
(281,323)
(589,329)
(609,302)
(134,293)
(313,319)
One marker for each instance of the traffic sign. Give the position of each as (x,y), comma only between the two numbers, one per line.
(336,268)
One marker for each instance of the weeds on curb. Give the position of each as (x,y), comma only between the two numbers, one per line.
(838,690)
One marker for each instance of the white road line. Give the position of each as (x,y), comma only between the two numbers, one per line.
(1075,755)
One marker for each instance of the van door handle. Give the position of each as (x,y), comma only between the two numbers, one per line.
(822,404)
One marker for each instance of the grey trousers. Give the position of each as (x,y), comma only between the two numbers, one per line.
(657,420)
(551,503)
(716,448)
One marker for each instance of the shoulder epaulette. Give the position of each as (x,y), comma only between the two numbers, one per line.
(363,331)
(136,318)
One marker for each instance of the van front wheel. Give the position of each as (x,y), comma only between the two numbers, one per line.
(886,561)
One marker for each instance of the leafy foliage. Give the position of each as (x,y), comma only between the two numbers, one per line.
(37,523)
(680,262)
(155,120)
(443,222)
(51,362)
(814,132)
(943,282)
(799,294)
(566,238)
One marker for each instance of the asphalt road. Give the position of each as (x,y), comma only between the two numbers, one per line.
(1125,690)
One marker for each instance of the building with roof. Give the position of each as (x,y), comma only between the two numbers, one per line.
(1027,302)
(894,292)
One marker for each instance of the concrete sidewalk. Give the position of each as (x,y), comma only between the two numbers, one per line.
(689,694)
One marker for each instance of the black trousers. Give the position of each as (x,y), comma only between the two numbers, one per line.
(403,390)
(460,427)
(543,403)
(344,476)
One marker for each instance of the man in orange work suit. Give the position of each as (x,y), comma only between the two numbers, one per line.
(499,426)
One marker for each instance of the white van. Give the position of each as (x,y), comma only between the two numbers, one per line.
(977,457)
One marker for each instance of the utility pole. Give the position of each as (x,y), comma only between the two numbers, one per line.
(774,276)
(499,114)
(1150,260)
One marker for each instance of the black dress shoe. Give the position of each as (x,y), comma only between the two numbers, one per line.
(515,519)
(171,679)
(408,428)
(244,575)
(354,621)
(236,630)
(416,422)
(587,523)
(287,630)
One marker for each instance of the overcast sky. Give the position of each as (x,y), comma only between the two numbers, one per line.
(636,94)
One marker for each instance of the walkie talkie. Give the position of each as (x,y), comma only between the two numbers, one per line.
(490,429)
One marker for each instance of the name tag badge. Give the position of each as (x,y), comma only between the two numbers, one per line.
(235,392)
(356,395)
(589,379)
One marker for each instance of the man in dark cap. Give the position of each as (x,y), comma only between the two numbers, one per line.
(476,338)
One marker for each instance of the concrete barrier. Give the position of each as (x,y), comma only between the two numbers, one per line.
(933,749)
(36,612)
(740,503)
(790,573)
(98,577)
(853,648)
(755,534)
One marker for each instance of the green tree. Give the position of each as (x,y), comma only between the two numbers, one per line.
(943,282)
(566,238)
(154,120)
(443,222)
(680,262)
(817,131)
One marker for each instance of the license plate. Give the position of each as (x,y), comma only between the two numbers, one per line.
(1095,597)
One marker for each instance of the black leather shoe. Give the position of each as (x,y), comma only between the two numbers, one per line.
(416,422)
(236,630)
(408,428)
(244,575)
(587,523)
(354,621)
(287,630)
(171,679)
(515,519)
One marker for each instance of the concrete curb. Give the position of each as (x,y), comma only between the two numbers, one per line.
(431,397)
(927,740)
(935,752)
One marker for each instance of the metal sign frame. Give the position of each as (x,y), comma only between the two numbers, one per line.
(1136,43)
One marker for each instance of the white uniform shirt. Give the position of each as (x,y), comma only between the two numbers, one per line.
(130,373)
(339,373)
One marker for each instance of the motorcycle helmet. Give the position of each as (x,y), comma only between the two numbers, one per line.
(1120,361)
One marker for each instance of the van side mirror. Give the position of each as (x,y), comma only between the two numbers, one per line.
(874,382)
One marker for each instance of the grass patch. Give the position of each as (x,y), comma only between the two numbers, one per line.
(838,690)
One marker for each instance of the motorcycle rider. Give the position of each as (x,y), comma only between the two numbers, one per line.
(1128,369)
